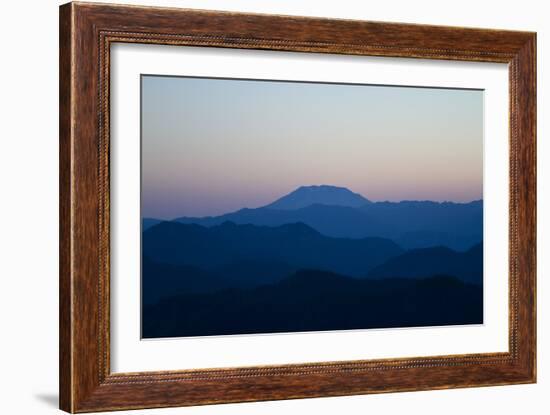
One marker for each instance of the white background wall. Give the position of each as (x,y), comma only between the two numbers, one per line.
(28,210)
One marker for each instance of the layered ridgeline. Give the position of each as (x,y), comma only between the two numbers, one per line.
(319,258)
(338,212)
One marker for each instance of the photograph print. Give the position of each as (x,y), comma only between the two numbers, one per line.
(279,206)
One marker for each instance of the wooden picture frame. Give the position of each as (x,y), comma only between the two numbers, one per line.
(86,33)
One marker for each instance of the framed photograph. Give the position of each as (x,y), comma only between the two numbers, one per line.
(258,207)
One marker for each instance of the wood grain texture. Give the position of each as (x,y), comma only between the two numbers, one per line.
(65,246)
(86,33)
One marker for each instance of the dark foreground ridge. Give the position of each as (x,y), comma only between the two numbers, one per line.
(312,300)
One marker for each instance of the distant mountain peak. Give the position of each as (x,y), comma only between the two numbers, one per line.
(323,194)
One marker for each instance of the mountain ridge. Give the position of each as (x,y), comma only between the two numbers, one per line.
(412,224)
(294,244)
(323,194)
(313,300)
(466,265)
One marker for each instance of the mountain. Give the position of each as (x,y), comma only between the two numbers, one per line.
(146,223)
(319,258)
(416,221)
(294,244)
(313,300)
(468,265)
(165,280)
(412,224)
(428,238)
(334,221)
(324,195)
(252,273)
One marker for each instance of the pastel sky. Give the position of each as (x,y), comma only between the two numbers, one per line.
(212,146)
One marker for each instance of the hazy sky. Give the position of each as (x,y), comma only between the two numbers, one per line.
(211,146)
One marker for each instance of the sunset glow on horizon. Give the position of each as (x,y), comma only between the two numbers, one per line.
(212,146)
